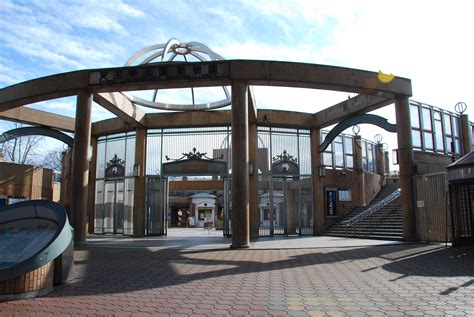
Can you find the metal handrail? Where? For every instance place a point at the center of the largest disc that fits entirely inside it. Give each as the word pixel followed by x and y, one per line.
pixel 369 211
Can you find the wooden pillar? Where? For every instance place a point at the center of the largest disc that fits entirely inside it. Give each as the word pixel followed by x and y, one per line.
pixel 381 163
pixel 317 169
pixel 466 136
pixel 240 168
pixel 359 169
pixel 405 159
pixel 80 165
pixel 139 184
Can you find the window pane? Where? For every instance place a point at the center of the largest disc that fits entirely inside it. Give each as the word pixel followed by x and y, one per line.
pixel 439 136
pixel 426 118
pixel 428 138
pixel 457 146
pixel 416 136
pixel 456 127
pixel 339 154
pixel 370 158
pixel 100 160
pixel 327 159
pixel 447 124
pixel 348 145
pixel 449 145
pixel 349 161
pixel 415 119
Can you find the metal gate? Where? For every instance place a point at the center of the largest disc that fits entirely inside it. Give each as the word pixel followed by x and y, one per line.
pixel 432 212
pixel 157 206
pixel 109 211
pixel 285 206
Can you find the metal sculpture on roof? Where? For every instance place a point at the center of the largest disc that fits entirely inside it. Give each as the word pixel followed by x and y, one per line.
pixel 172 51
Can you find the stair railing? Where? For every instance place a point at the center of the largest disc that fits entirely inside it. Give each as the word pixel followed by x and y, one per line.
pixel 369 211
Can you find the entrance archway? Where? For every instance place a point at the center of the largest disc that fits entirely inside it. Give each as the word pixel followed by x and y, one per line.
pixel 198 210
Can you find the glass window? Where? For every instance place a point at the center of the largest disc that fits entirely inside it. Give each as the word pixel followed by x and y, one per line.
pixel 439 136
pixel 130 155
pixel 338 152
pixel 349 161
pixel 416 136
pixel 370 158
pixel 414 116
pixel 100 169
pixel 426 118
pixel 345 195
pixel 449 144
pixel 447 124
pixel 457 146
pixel 327 159
pixel 456 126
pixel 348 145
pixel 365 164
pixel 428 139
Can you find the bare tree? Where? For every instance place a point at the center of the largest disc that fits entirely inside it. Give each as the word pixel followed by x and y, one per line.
pixel 22 150
pixel 53 160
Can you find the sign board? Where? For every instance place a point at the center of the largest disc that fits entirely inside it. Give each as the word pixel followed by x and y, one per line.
pixel 285 168
pixel 194 167
pixel 331 203
pixel 22 238
pixel 161 72
pixel 115 167
pixel 32 234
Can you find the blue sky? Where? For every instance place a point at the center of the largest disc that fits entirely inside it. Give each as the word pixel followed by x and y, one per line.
pixel 429 42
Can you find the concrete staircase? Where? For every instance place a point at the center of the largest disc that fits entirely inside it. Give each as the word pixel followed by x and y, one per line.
pixel 385 223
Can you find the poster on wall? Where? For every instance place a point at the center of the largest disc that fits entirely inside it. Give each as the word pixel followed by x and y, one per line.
pixel 331 202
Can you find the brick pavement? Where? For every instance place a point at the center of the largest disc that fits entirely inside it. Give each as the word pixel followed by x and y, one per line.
pixel 390 280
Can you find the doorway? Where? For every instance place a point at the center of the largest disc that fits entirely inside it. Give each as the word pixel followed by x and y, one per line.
pixel 185 209
pixel 114 207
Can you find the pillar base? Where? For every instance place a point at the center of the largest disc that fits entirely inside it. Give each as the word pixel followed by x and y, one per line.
pixel 247 246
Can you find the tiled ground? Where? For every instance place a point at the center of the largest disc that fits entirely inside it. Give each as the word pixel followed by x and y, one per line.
pixel 389 280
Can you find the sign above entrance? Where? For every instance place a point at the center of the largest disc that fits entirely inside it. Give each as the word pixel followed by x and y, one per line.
pixel 285 164
pixel 194 163
pixel 160 72
pixel 115 167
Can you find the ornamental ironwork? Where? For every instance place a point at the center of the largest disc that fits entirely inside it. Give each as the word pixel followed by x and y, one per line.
pixel 285 157
pixel 115 167
pixel 195 155
pixel 115 161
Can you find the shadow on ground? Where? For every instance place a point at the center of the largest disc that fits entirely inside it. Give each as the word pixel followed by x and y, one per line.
pixel 114 270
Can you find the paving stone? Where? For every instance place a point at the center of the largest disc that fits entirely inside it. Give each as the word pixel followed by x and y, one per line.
pixel 408 279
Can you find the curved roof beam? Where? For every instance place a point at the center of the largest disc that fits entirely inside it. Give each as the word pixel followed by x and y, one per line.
pixel 266 73
pixel 19 132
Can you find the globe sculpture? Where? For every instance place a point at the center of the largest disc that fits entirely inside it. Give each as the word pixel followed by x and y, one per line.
pixel 176 51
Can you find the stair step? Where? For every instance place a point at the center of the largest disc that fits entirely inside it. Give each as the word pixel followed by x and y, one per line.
pixel 386 223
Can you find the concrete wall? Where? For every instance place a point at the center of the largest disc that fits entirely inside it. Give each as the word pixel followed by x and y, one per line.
pixel 426 162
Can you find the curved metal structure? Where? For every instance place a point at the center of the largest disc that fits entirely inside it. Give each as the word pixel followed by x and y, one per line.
pixel 359 119
pixel 168 53
pixel 25 131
